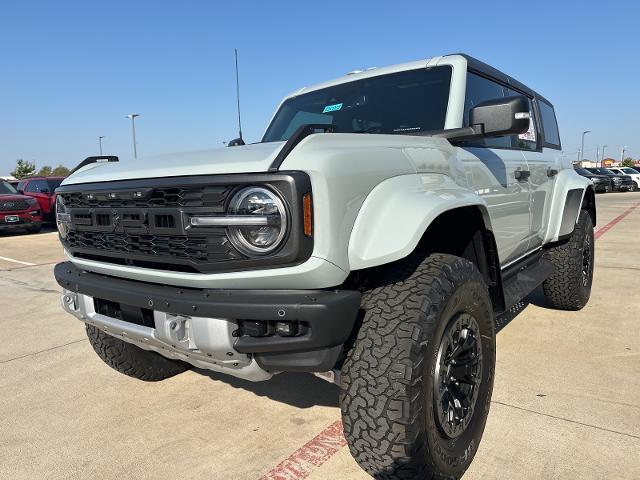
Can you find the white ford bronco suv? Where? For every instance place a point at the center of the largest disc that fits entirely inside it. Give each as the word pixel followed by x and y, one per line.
pixel 373 235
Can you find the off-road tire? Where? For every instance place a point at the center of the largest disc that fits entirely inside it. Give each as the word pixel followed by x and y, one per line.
pixel 387 381
pixel 131 360
pixel 568 288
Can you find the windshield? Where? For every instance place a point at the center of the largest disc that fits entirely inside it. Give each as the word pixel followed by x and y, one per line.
pixel 6 187
pixel 630 170
pixel 397 103
pixel 601 171
pixel 583 171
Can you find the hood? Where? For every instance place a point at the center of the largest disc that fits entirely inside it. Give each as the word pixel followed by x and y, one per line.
pixel 10 197
pixel 254 158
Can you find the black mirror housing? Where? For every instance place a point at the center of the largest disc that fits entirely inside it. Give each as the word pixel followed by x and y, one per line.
pixel 502 116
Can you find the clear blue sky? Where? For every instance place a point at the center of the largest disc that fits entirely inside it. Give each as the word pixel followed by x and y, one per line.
pixel 71 70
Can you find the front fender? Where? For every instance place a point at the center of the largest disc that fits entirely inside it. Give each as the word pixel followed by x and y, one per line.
pixel 568 194
pixel 397 212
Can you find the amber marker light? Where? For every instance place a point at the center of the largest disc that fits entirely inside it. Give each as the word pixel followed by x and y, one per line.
pixel 307 209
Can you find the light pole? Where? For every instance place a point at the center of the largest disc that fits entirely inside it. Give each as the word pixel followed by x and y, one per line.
pixel 133 116
pixel 582 146
pixel 622 150
pixel 602 161
pixel 100 142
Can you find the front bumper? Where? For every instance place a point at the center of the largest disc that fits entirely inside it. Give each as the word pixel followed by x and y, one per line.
pixel 623 186
pixel 25 219
pixel 203 326
pixel 602 186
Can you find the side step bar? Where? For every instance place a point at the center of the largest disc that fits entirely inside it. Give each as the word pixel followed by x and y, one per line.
pixel 519 281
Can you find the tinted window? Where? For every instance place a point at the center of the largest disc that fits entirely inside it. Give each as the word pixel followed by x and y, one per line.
pixel 54 183
pixel 6 187
pixel 549 124
pixel 480 89
pixel 529 139
pixel 583 171
pixel 398 103
pixel 37 186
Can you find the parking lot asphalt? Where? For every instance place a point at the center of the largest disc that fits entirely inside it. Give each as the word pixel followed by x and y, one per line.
pixel 566 402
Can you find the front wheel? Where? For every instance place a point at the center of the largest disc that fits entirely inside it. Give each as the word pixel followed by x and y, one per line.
pixel 416 384
pixel 132 360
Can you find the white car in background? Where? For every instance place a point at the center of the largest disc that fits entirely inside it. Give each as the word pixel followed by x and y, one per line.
pixel 632 172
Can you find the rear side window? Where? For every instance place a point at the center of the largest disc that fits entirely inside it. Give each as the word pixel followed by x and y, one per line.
pixel 549 125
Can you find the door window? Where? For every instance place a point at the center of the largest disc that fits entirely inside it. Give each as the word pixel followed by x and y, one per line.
pixel 481 89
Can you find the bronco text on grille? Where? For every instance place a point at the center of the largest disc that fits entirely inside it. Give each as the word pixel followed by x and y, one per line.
pixel 147 223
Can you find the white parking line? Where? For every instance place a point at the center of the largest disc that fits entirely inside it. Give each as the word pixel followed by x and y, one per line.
pixel 17 261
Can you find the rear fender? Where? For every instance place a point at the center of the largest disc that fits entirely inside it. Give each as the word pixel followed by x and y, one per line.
pixel 398 211
pixel 568 196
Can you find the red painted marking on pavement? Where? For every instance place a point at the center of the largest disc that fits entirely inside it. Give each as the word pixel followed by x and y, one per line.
pixel 314 453
pixel 616 220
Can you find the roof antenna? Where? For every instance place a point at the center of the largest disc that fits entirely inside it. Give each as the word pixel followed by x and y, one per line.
pixel 237 141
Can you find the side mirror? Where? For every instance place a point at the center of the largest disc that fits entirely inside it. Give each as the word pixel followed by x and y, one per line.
pixel 236 142
pixel 493 118
pixel 502 116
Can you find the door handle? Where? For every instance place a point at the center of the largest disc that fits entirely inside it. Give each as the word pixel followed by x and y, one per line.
pixel 522 175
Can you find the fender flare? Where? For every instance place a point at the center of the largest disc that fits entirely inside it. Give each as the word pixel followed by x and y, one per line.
pixel 397 212
pixel 568 196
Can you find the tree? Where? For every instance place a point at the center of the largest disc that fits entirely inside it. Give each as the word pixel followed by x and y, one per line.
pixel 24 168
pixel 628 162
pixel 60 171
pixel 45 171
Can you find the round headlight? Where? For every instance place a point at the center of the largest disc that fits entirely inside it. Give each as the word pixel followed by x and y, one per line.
pixel 63 219
pixel 271 226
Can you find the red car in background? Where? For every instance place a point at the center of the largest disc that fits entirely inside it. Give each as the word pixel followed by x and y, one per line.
pixel 42 189
pixel 18 211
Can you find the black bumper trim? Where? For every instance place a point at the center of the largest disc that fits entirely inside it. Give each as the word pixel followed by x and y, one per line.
pixel 330 314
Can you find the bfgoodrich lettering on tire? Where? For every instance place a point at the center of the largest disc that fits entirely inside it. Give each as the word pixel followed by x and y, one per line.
pixel 416 384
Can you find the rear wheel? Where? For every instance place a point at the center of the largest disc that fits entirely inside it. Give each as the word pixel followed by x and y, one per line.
pixel 416 384
pixel 569 287
pixel 131 360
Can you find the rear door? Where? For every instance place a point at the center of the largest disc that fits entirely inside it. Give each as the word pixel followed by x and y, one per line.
pixel 491 167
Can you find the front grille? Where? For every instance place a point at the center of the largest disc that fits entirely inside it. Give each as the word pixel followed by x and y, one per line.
pixel 146 222
pixel 195 248
pixel 197 196
pixel 13 205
